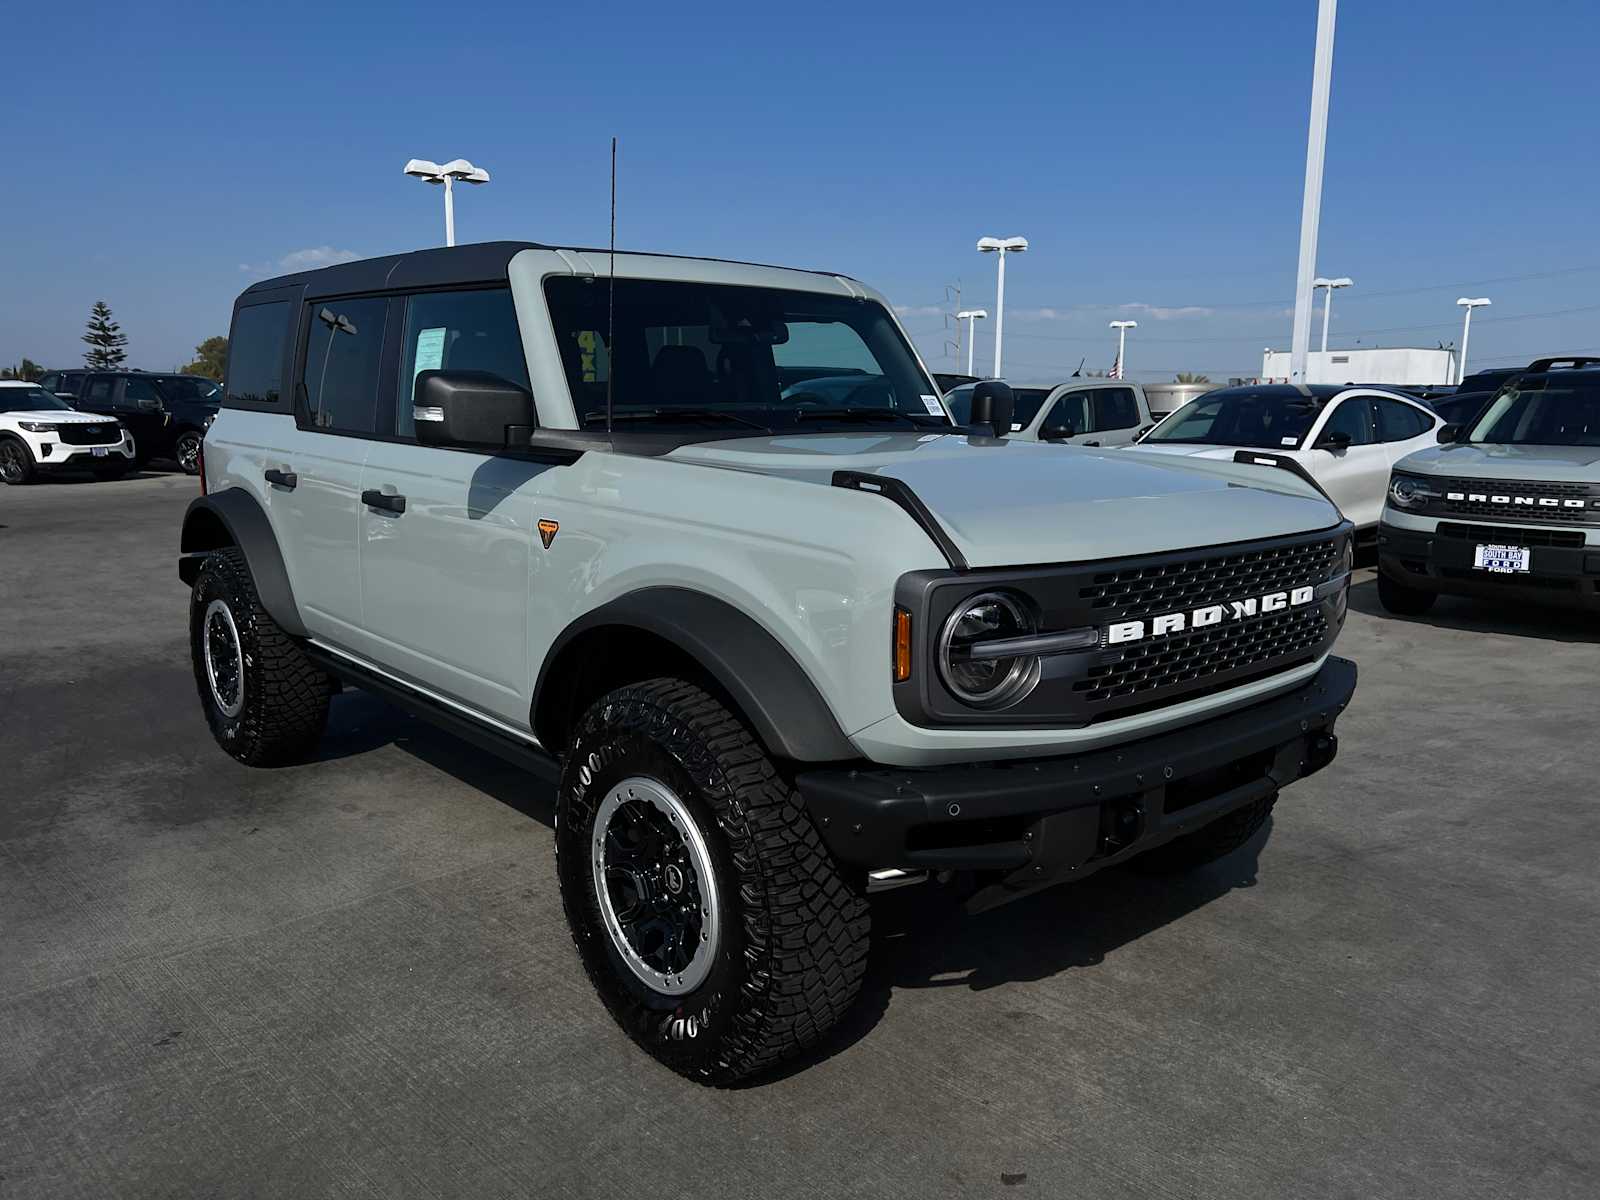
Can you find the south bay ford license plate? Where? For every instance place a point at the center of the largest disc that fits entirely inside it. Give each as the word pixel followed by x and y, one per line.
pixel 1503 560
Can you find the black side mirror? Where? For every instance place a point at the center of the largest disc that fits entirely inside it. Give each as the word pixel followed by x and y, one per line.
pixel 471 408
pixel 1337 440
pixel 1448 433
pixel 992 406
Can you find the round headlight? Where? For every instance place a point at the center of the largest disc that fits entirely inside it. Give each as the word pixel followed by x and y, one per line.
pixel 984 679
pixel 1408 492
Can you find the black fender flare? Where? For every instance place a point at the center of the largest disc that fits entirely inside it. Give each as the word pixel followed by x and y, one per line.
pixel 243 524
pixel 769 689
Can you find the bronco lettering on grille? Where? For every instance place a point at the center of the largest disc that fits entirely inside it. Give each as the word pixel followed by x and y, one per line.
pixel 1123 632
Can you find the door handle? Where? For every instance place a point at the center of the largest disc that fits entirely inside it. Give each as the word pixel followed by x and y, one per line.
pixel 373 498
pixel 283 479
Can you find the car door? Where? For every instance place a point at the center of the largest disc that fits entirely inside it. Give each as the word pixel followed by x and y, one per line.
pixel 1354 473
pixel 1116 415
pixel 313 473
pixel 97 394
pixel 448 535
pixel 1404 428
pixel 139 405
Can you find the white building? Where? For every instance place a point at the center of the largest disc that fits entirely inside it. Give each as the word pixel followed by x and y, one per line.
pixel 1401 366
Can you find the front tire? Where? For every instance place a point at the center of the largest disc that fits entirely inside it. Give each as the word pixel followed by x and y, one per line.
pixel 1401 600
pixel 16 462
pixel 265 701
pixel 708 914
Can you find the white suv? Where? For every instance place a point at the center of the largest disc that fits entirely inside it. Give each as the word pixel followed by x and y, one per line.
pixel 697 541
pixel 40 431
pixel 1346 438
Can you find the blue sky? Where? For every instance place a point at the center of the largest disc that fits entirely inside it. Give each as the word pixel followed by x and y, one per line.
pixel 162 157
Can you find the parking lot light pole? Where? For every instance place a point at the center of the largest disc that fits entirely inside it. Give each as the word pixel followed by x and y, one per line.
pixel 447 174
pixel 1000 247
pixel 971 316
pixel 1327 300
pixel 1466 331
pixel 1122 328
pixel 1311 202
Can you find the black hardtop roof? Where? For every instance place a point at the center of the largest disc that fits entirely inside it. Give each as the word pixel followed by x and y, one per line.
pixel 443 266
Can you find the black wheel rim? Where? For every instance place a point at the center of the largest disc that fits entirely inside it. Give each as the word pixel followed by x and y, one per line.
pixel 12 468
pixel 655 885
pixel 188 451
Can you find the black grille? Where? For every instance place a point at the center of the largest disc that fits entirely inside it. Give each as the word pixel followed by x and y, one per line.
pixel 1559 513
pixel 1501 535
pixel 1186 657
pixel 105 433
pixel 1171 586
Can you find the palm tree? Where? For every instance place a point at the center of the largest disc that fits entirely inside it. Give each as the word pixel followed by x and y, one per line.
pixel 1191 377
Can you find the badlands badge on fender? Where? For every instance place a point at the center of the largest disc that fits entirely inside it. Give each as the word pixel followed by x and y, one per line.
pixel 547 531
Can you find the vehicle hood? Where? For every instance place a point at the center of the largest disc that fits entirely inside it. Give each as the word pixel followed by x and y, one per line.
pixel 1485 460
pixel 1010 503
pixel 1222 453
pixel 58 417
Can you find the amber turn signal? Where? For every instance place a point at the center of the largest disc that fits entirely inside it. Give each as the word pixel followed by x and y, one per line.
pixel 902 645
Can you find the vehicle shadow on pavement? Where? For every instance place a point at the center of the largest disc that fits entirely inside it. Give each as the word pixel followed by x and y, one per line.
pixel 923 938
pixel 71 478
pixel 1471 615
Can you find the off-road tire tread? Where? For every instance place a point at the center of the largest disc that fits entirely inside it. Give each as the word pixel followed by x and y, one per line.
pixel 806 929
pixel 1404 601
pixel 287 695
pixel 1208 843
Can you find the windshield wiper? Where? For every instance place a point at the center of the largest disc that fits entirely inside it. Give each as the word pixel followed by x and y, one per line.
pixel 856 414
pixel 672 414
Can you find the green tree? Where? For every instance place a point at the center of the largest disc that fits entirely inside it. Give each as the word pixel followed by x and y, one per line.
pixel 209 358
pixel 29 371
pixel 1191 377
pixel 108 345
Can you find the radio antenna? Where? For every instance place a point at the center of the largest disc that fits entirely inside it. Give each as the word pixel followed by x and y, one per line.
pixel 611 295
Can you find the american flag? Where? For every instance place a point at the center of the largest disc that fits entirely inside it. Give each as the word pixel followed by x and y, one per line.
pixel 1116 369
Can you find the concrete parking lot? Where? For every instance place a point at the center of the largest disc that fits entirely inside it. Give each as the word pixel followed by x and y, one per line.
pixel 353 977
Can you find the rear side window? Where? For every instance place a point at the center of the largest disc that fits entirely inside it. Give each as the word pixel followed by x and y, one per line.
pixel 1397 422
pixel 1115 408
pixel 255 353
pixel 458 331
pixel 344 350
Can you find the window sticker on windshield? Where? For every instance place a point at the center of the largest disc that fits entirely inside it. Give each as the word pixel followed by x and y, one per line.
pixel 430 351
pixel 931 403
pixel 1287 441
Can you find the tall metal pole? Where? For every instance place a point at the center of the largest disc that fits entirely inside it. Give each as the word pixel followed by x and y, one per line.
pixel 1327 303
pixel 972 332
pixel 1311 204
pixel 449 212
pixel 1466 332
pixel 999 310
pixel 1122 345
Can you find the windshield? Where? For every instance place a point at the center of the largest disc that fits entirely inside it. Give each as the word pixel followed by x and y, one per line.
pixel 30 399
pixel 1027 400
pixel 1259 420
pixel 702 356
pixel 1549 410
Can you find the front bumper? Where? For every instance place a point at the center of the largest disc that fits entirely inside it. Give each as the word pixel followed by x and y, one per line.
pixel 1042 821
pixel 1564 575
pixel 60 454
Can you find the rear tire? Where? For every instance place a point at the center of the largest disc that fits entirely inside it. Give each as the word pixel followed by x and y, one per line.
pixel 1208 843
pixel 16 461
pixel 186 451
pixel 1401 600
pixel 266 702
pixel 718 977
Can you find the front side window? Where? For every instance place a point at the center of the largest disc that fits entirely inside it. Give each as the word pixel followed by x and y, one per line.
pixel 137 391
pixel 1115 408
pixel 30 399
pixel 255 353
pixel 707 356
pixel 1353 418
pixel 458 331
pixel 1069 416
pixel 1257 420
pixel 99 391
pixel 50 382
pixel 1553 410
pixel 344 347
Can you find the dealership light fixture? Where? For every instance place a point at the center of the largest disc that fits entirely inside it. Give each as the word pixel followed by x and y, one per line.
pixel 446 174
pixel 1343 281
pixel 1466 330
pixel 971 316
pixel 1000 247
